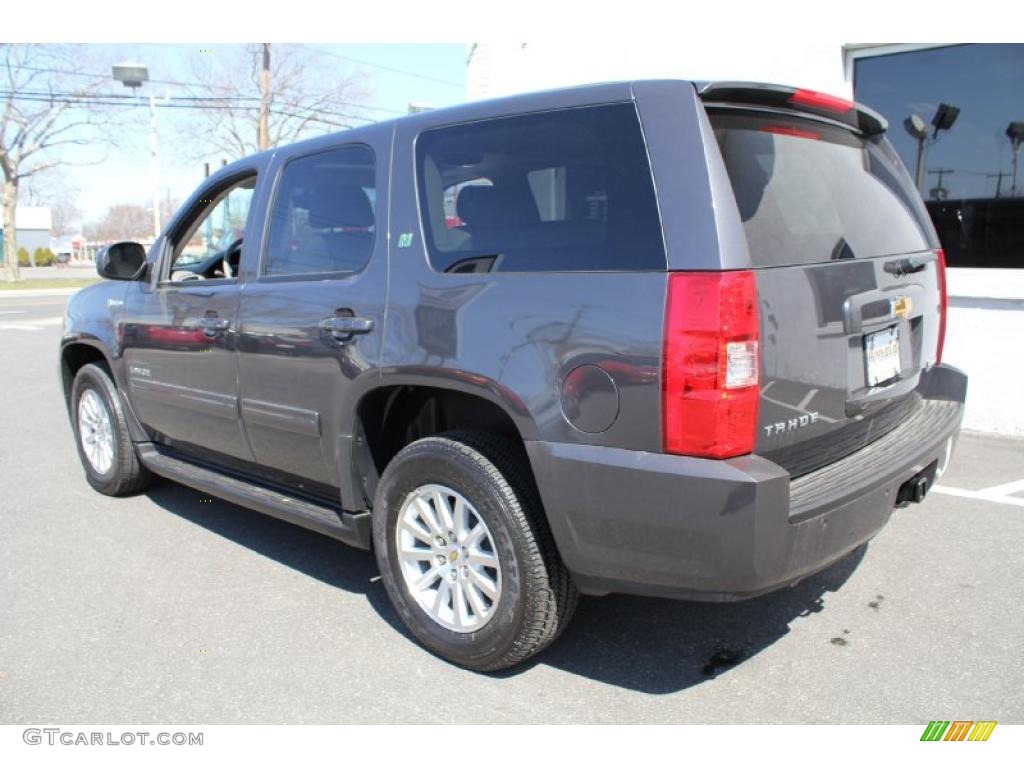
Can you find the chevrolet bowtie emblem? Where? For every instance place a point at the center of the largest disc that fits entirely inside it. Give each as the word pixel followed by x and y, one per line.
pixel 901 306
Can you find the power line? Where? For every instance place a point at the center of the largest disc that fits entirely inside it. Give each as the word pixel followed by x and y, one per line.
pixel 179 102
pixel 127 96
pixel 214 87
pixel 396 70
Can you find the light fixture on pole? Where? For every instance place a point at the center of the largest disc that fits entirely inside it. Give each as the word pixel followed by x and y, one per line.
pixel 918 130
pixel 943 120
pixel 1015 132
pixel 133 76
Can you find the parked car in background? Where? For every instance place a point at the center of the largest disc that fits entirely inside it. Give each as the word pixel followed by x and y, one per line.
pixel 661 338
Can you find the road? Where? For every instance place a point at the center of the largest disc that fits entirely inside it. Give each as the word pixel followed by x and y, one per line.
pixel 170 607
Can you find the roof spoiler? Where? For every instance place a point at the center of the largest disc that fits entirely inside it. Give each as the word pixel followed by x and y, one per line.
pixel 815 103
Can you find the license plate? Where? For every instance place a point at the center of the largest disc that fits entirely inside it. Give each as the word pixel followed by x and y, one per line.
pixel 882 355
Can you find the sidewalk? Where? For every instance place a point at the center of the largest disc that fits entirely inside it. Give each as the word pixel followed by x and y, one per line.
pixel 76 272
pixel 31 292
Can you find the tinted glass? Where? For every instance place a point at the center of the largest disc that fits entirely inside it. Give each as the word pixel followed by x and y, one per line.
pixel 809 192
pixel 566 190
pixel 216 228
pixel 322 219
pixel 970 171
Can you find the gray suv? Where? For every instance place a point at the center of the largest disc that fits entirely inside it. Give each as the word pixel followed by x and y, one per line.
pixel 661 338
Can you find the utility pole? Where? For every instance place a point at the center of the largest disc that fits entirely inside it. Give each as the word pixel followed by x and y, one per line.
pixel 999 180
pixel 264 129
pixel 155 165
pixel 938 192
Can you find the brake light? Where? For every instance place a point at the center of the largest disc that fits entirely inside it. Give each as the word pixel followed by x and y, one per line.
pixel 817 100
pixel 788 130
pixel 711 364
pixel 940 266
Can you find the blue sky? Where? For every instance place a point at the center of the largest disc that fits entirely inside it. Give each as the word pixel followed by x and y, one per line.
pixel 394 75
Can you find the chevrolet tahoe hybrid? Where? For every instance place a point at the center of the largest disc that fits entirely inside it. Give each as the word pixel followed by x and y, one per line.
pixel 661 338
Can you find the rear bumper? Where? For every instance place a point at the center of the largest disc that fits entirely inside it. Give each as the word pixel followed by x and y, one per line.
pixel 674 526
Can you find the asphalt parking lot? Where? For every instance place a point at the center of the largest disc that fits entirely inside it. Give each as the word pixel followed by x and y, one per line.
pixel 170 607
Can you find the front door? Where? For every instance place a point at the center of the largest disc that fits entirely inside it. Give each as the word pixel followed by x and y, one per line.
pixel 311 314
pixel 180 333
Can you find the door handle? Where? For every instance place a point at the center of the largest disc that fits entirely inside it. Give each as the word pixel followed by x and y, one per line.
pixel 343 327
pixel 211 325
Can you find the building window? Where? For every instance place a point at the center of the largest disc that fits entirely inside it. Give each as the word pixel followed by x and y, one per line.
pixel 971 174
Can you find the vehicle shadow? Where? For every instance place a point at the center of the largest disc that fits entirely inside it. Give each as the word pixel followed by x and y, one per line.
pixel 643 644
pixel 664 646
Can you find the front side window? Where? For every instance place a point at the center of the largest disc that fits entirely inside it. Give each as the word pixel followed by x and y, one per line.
pixel 322 219
pixel 210 246
pixel 566 190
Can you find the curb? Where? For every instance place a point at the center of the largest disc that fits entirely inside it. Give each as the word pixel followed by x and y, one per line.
pixel 30 292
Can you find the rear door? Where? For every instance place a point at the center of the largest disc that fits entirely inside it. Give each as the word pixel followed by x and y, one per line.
pixel 847 276
pixel 312 310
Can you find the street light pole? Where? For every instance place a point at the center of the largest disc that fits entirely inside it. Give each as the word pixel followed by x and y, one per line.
pixel 1015 133
pixel 1016 158
pixel 133 76
pixel 919 173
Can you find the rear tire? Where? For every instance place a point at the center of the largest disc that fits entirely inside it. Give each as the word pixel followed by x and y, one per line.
pixel 105 447
pixel 501 593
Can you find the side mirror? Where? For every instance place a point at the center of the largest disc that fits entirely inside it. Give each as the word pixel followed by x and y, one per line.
pixel 122 261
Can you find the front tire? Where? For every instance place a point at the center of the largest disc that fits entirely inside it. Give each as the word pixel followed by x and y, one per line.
pixel 465 553
pixel 101 434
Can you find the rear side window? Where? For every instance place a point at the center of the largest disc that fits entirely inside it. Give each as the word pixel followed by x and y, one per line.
pixel 809 192
pixel 322 219
pixel 567 190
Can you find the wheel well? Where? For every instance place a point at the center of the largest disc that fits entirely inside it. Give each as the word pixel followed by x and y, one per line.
pixel 391 418
pixel 72 358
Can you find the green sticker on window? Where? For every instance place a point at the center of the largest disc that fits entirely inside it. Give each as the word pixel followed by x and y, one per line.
pixel 405 240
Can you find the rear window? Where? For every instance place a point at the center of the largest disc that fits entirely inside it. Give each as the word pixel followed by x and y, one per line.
pixel 566 190
pixel 809 192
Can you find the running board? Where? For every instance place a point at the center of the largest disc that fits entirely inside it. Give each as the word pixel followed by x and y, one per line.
pixel 351 528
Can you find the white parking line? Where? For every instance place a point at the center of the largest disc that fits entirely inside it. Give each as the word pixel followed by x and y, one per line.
pixel 982 495
pixel 807 399
pixel 13 311
pixel 1006 489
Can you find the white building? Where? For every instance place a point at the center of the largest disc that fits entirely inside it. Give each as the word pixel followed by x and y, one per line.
pixel 33 224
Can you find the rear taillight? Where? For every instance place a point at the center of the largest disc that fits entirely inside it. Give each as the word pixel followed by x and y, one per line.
pixel 940 266
pixel 711 364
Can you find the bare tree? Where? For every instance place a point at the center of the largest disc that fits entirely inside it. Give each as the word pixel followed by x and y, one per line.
pixel 168 207
pixel 305 94
pixel 67 218
pixel 56 191
pixel 125 221
pixel 45 110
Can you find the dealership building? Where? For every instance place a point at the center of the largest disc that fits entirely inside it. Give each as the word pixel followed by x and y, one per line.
pixel 956 118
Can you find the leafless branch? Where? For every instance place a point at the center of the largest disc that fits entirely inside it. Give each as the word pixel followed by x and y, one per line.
pixel 304 89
